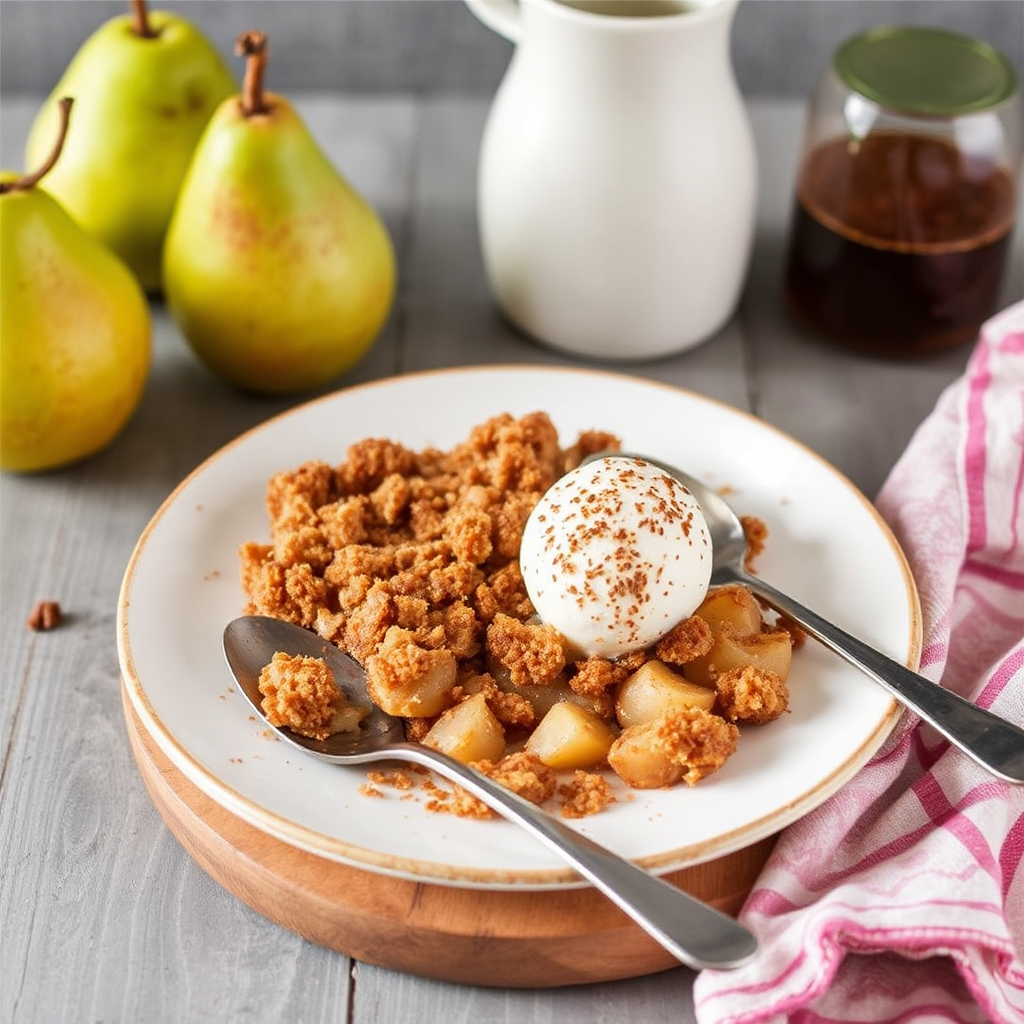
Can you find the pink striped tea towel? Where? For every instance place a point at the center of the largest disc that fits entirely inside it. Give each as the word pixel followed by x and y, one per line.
pixel 901 898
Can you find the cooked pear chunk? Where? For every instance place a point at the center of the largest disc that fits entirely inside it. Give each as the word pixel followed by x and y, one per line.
pixel 468 732
pixel 570 736
pixel 654 690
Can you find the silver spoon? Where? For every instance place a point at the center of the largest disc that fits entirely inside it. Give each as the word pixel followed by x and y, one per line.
pixel 996 744
pixel 696 934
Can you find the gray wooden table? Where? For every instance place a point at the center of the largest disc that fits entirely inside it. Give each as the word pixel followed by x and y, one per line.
pixel 103 916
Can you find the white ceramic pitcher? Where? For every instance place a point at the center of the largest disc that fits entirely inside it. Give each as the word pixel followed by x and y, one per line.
pixel 617 181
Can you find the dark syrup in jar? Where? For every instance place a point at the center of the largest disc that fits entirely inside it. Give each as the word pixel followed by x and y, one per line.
pixel 898 243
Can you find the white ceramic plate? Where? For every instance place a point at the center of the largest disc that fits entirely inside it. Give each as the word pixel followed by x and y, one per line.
pixel 827 547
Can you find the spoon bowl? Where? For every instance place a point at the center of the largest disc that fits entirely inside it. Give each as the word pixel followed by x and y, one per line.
pixel 993 742
pixel 249 644
pixel 695 933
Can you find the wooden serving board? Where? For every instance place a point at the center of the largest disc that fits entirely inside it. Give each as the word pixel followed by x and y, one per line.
pixel 470 936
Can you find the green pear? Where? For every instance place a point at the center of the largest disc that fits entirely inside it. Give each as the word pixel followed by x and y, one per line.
pixel 75 331
pixel 278 273
pixel 144 87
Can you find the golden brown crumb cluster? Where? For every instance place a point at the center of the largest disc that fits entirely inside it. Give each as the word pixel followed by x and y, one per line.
pixel 586 793
pixel 689 639
pixel 690 744
pixel 750 694
pixel 299 693
pixel 408 560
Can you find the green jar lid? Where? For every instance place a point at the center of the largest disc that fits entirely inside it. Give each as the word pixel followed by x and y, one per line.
pixel 929 72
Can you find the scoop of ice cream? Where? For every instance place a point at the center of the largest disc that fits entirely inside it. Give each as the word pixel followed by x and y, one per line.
pixel 615 554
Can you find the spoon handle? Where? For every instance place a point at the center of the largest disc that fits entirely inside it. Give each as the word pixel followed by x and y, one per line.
pixel 696 934
pixel 996 744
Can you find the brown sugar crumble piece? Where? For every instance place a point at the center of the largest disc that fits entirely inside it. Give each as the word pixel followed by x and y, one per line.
pixel 587 793
pixel 409 562
pixel 691 638
pixel 525 774
pixel 462 804
pixel 595 676
pixel 521 772
pixel 532 653
pixel 398 778
pixel 45 615
pixel 408 679
pixel 300 693
pixel 752 695
pixel 510 708
pixel 590 442
pixel 457 801
pixel 756 532
pixel 681 746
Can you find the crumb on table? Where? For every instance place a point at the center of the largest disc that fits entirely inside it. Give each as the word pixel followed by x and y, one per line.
pixel 409 562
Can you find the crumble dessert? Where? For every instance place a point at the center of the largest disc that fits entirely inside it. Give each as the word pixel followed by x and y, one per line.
pixel 410 562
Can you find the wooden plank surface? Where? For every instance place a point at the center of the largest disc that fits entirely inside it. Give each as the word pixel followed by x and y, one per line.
pixel 105 916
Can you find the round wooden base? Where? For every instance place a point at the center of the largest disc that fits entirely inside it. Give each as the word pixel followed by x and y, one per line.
pixel 470 936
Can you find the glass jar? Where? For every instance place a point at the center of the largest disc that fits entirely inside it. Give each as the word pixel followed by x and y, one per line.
pixel 906 192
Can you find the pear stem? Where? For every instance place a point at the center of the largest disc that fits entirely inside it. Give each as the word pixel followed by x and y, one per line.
pixel 140 20
pixel 253 46
pixel 27 181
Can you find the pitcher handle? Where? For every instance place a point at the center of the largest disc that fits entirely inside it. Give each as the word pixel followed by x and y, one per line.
pixel 502 16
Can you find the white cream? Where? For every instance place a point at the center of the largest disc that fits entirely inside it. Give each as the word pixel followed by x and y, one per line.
pixel 615 554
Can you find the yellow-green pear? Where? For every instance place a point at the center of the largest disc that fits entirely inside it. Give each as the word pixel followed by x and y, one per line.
pixel 74 330
pixel 279 274
pixel 144 87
